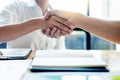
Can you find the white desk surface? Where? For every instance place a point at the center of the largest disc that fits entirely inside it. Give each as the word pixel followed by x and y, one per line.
pixel 112 58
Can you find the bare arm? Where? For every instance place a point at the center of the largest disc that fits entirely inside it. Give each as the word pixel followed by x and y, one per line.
pixel 109 30
pixel 11 32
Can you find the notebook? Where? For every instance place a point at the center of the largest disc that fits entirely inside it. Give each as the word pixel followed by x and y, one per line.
pixel 14 54
pixel 67 60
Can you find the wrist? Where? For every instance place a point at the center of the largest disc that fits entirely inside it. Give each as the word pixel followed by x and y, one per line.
pixel 79 20
pixel 39 23
pixel 34 23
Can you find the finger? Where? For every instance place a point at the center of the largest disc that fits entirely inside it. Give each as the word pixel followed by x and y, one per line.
pixel 61 26
pixel 43 31
pixel 61 34
pixel 57 34
pixel 53 32
pixel 46 16
pixel 66 33
pixel 64 22
pixel 47 32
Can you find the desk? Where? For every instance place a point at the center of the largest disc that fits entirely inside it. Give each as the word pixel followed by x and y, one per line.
pixel 31 55
pixel 112 58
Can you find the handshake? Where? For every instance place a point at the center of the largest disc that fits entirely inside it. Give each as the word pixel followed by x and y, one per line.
pixel 59 23
pixel 55 25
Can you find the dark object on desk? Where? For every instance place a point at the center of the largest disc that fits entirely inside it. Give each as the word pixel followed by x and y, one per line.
pixel 86 69
pixel 14 54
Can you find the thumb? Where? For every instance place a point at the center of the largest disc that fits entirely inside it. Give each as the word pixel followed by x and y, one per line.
pixel 47 15
pixel 60 13
pixel 50 13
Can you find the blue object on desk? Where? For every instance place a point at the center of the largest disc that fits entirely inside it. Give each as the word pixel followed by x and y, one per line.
pixel 82 69
pixel 3 45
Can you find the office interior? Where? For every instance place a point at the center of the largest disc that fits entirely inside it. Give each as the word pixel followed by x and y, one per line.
pixel 103 9
pixel 80 39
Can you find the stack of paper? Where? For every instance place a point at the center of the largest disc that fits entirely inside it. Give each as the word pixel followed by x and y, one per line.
pixel 67 60
pixel 14 54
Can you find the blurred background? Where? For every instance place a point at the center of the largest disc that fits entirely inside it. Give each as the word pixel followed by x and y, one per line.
pixel 79 39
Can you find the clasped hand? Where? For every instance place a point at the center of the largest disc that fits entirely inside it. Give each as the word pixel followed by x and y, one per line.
pixel 57 27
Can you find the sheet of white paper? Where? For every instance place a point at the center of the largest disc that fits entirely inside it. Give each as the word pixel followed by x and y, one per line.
pixel 13 69
pixel 66 58
pixel 63 53
pixel 67 62
pixel 14 52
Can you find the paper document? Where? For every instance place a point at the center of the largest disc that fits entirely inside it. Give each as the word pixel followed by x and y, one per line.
pixel 14 54
pixel 63 53
pixel 67 62
pixel 62 59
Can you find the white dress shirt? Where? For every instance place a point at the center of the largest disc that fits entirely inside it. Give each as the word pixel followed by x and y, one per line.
pixel 21 10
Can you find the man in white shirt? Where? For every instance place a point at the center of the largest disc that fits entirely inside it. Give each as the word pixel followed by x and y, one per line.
pixel 21 10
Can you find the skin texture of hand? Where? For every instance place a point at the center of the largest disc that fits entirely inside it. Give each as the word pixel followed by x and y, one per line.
pixel 51 23
pixel 54 32
pixel 69 16
pixel 61 27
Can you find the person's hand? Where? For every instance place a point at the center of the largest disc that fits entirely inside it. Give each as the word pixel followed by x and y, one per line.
pixel 61 27
pixel 40 23
pixel 69 16
pixel 43 24
pixel 54 32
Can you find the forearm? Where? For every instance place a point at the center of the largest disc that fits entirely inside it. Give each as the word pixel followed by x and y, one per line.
pixel 11 32
pixel 106 29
